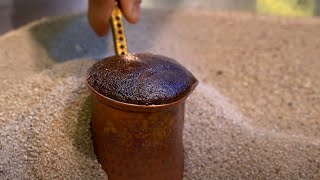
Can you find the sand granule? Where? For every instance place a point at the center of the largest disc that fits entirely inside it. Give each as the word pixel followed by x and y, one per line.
pixel 254 61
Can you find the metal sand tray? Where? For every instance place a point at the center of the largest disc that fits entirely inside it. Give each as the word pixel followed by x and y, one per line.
pixel 138 137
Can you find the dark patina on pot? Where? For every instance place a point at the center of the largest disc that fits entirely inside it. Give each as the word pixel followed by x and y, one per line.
pixel 137 122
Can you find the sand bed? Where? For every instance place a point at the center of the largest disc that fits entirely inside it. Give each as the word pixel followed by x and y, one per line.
pixel 254 115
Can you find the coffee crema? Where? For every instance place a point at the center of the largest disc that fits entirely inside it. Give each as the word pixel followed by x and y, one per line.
pixel 143 79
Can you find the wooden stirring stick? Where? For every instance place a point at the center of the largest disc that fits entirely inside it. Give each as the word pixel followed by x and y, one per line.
pixel 119 37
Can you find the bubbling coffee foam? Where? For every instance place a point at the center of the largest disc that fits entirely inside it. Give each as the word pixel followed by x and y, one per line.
pixel 143 79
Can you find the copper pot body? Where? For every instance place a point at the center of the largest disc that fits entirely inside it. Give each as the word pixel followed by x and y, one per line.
pixel 138 142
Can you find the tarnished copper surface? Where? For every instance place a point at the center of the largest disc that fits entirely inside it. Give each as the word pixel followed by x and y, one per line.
pixel 138 142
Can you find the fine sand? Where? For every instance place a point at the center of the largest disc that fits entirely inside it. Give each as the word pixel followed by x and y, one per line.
pixel 254 115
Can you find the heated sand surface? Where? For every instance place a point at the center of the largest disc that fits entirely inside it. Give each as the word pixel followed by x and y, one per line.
pixel 254 115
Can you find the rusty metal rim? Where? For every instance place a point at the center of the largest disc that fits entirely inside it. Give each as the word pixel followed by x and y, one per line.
pixel 136 107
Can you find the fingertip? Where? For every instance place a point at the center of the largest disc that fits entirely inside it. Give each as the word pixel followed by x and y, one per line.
pixel 99 28
pixel 131 10
pixel 99 12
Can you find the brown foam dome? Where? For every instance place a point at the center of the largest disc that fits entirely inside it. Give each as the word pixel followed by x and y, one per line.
pixel 143 79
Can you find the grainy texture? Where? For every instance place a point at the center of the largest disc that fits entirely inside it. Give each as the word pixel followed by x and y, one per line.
pixel 267 67
pixel 144 79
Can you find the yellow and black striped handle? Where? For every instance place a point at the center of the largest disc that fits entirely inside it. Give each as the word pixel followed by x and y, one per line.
pixel 117 26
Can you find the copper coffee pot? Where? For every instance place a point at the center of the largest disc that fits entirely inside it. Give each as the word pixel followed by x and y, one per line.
pixel 137 142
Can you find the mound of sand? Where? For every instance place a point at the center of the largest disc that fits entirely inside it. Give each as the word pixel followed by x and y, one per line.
pixel 254 115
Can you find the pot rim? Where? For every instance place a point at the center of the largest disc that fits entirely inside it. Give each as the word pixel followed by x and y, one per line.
pixel 136 107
